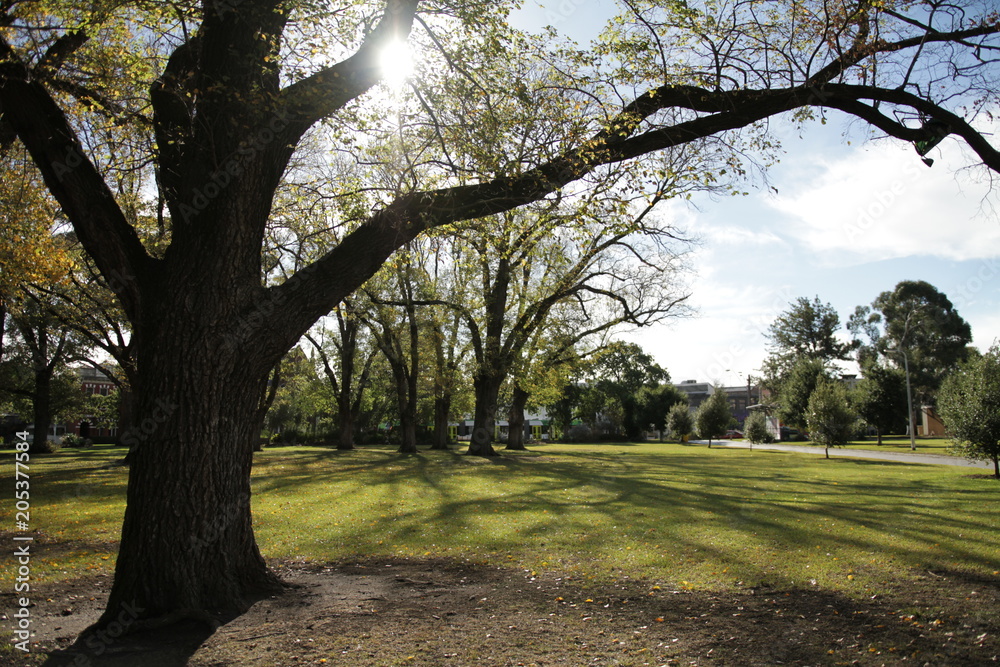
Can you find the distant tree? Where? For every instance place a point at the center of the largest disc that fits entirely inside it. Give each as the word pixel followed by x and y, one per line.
pixel 294 406
pixel 829 417
pixel 347 357
pixel 794 392
pixel 913 326
pixel 807 329
pixel 968 405
pixel 802 347
pixel 615 377
pixel 679 421
pixel 36 366
pixel 880 398
pixel 653 404
pixel 755 428
pixel 713 417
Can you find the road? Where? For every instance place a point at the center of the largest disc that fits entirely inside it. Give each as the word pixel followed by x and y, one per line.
pixel 903 457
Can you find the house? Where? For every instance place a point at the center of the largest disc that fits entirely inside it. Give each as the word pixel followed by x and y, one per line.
pixel 92 382
pixel 930 423
pixel 739 397
pixel 697 392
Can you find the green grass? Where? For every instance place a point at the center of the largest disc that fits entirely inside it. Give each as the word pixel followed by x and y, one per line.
pixel 679 516
pixel 901 443
pixel 894 443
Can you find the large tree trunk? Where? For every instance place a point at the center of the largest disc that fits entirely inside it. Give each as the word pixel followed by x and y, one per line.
pixel 442 411
pixel 515 429
pixel 42 407
pixel 407 415
pixel 187 545
pixel 345 417
pixel 487 390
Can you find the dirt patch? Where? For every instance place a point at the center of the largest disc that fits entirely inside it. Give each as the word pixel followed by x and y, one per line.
pixel 436 612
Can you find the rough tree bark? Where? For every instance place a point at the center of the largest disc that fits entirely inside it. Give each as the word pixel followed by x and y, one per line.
pixel 486 385
pixel 515 437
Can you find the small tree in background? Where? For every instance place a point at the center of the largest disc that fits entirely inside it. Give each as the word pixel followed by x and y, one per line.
pixel 968 403
pixel 679 421
pixel 755 429
pixel 653 405
pixel 713 416
pixel 880 398
pixel 802 379
pixel 829 417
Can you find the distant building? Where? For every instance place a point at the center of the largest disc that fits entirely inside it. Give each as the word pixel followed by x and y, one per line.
pixel 739 397
pixel 92 382
pixel 930 423
pixel 697 392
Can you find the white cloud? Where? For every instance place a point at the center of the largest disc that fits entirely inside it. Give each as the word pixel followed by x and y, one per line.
pixel 882 203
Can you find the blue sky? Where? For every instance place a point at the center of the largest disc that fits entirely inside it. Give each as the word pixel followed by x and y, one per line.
pixel 850 219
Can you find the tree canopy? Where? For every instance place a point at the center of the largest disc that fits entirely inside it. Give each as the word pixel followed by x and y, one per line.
pixel 968 405
pixel 917 326
pixel 807 329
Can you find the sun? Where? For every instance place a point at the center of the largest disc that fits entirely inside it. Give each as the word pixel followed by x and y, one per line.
pixel 396 63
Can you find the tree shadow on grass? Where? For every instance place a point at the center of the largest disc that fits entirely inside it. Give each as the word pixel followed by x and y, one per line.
pixel 170 646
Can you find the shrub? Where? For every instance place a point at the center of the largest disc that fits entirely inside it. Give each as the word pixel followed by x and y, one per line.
pixel 679 421
pixel 73 440
pixel 968 405
pixel 755 429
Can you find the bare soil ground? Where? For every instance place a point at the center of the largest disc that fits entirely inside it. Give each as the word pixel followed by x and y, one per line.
pixel 436 612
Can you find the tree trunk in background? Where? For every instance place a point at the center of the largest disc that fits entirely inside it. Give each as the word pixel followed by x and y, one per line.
pixel 42 407
pixel 406 401
pixel 345 417
pixel 442 411
pixel 487 390
pixel 515 429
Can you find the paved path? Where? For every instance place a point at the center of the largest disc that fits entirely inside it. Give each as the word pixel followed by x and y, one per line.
pixel 904 457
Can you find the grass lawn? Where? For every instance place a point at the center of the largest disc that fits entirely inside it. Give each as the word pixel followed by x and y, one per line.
pixel 901 443
pixel 680 516
pixel 894 443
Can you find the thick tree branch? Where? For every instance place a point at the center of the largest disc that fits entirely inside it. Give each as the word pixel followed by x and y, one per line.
pixel 73 179
pixel 320 95
pixel 845 97
pixel 346 267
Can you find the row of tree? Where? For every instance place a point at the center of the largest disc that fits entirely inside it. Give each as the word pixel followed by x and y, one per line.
pixel 913 349
pixel 906 342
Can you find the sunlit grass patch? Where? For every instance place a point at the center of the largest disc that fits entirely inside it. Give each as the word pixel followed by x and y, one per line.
pixel 678 516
